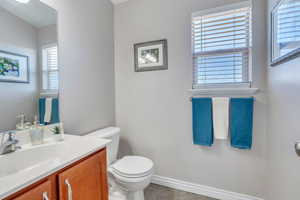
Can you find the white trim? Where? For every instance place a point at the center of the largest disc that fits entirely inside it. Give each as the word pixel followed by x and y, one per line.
pixel 201 189
pixel 49 93
pixel 223 8
pixel 225 91
pixel 244 85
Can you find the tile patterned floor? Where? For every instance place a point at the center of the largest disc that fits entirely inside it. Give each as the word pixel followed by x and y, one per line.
pixel 156 192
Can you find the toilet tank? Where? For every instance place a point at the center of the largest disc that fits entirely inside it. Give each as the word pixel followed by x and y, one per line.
pixel 110 133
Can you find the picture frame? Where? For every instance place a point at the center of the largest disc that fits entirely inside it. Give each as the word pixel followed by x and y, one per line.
pixel 14 67
pixel 151 56
pixel 285 38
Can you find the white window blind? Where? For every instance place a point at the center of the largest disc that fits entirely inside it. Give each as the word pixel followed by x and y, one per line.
pixel 221 40
pixel 50 68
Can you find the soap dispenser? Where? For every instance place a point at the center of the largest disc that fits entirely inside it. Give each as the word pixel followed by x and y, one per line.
pixel 22 125
pixel 36 133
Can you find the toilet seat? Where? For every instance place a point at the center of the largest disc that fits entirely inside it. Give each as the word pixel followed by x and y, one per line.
pixel 133 167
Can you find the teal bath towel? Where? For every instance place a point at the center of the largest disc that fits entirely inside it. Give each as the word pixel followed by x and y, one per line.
pixel 54 112
pixel 241 122
pixel 202 121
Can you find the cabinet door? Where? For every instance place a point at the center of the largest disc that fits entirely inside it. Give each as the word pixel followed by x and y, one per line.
pixel 84 181
pixel 40 192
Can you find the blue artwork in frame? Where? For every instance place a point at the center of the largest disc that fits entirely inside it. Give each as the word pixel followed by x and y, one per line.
pixel 14 67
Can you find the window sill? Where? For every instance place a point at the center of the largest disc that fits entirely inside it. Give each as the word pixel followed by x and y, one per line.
pixel 225 91
pixel 53 94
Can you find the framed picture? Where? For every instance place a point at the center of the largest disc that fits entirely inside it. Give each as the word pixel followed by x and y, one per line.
pixel 150 56
pixel 285 31
pixel 14 67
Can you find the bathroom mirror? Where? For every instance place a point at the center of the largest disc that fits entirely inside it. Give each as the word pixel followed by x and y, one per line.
pixel 28 64
pixel 285 31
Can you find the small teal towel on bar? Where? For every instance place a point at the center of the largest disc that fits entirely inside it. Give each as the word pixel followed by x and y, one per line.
pixel 241 122
pixel 54 112
pixel 202 121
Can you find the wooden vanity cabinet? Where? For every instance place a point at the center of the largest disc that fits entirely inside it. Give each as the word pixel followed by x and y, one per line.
pixel 83 180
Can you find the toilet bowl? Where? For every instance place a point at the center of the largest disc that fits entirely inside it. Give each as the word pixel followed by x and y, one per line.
pixel 133 174
pixel 128 176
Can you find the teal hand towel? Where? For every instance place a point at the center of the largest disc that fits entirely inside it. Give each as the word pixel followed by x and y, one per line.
pixel 241 122
pixel 202 121
pixel 54 112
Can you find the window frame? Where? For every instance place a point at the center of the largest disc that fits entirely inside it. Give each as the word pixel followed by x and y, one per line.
pixel 43 71
pixel 223 52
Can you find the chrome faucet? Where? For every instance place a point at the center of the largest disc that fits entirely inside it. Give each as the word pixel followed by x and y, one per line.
pixel 10 145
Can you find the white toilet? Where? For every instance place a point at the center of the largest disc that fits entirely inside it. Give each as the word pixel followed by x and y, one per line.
pixel 128 176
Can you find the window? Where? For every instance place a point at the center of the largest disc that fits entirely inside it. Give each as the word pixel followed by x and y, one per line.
pixel 50 68
pixel 221 40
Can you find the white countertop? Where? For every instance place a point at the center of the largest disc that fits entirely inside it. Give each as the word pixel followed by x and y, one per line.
pixel 31 164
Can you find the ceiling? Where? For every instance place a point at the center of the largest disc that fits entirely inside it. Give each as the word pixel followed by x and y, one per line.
pixel 35 13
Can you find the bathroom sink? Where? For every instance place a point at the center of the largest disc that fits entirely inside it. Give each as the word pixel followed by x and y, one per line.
pixel 32 163
pixel 28 158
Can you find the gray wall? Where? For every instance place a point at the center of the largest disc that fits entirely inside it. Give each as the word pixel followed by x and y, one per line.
pixel 47 35
pixel 85 34
pixel 17 36
pixel 153 108
pixel 284 129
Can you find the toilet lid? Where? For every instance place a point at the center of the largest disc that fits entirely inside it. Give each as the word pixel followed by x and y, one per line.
pixel 133 166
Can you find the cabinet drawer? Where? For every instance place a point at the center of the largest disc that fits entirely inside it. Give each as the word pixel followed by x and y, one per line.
pixel 40 192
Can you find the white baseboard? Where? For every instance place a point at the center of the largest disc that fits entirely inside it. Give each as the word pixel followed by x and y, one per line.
pixel 201 189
